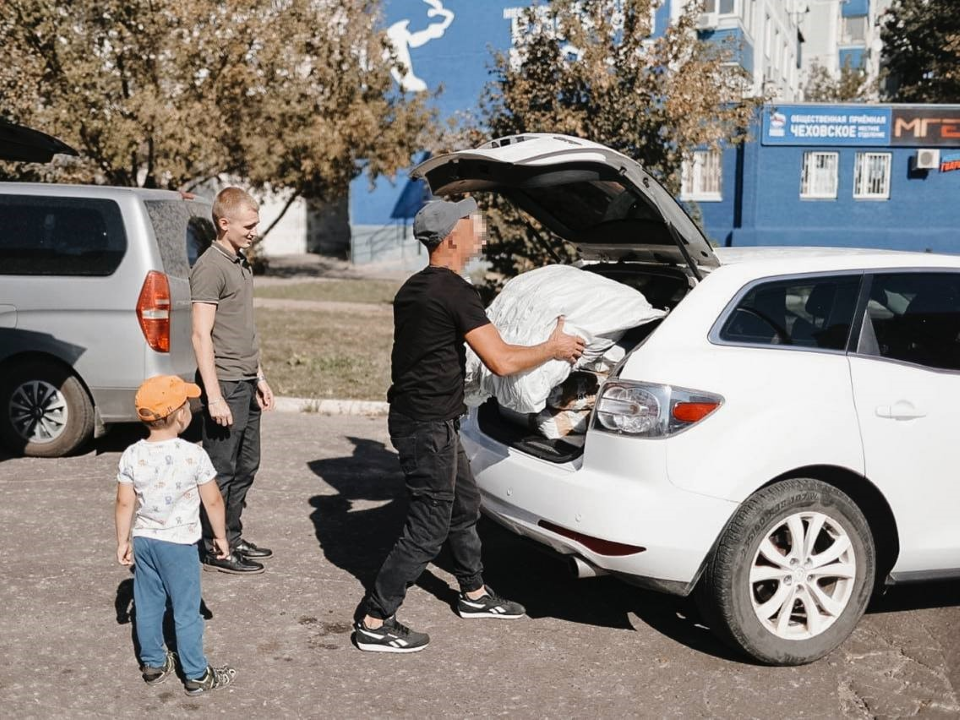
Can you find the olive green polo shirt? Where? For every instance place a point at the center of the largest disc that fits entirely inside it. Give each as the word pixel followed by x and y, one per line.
pixel 226 281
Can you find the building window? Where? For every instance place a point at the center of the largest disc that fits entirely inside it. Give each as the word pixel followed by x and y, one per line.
pixel 701 176
pixel 724 7
pixel 767 37
pixel 819 178
pixel 871 180
pixel 853 30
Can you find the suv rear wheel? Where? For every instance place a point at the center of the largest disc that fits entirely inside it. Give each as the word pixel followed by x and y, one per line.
pixel 792 574
pixel 44 410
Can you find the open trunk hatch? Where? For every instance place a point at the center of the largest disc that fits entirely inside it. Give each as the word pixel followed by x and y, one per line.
pixel 599 200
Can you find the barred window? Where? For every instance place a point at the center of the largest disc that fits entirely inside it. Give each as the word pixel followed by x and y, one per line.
pixel 819 177
pixel 701 176
pixel 871 179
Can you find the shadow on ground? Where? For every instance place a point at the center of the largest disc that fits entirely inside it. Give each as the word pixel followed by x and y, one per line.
pixel 357 526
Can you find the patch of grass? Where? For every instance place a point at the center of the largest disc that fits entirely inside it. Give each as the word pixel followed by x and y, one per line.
pixel 320 354
pixel 362 291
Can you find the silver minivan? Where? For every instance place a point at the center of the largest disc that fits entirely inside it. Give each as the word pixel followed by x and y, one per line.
pixel 94 298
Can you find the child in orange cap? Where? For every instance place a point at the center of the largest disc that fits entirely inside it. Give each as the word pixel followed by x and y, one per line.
pixel 165 479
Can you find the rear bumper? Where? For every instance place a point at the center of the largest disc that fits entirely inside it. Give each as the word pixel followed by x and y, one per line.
pixel 618 492
pixel 116 405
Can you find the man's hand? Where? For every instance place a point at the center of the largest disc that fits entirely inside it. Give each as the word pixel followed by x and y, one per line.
pixel 222 547
pixel 563 346
pixel 265 396
pixel 125 553
pixel 220 412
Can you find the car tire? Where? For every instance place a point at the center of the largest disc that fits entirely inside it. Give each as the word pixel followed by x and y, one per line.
pixel 787 603
pixel 65 415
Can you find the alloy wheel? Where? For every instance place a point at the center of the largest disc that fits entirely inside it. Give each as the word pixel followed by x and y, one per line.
pixel 38 411
pixel 802 576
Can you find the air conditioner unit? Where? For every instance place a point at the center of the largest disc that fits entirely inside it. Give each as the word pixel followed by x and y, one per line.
pixel 708 21
pixel 927 160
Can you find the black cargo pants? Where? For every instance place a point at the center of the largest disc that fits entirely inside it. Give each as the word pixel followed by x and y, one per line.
pixel 235 454
pixel 444 505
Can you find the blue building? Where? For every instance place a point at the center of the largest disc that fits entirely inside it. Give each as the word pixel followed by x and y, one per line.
pixel 855 175
pixel 883 176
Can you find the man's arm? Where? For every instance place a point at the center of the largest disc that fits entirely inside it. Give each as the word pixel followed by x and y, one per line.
pixel 213 503
pixel 123 513
pixel 264 393
pixel 502 358
pixel 204 315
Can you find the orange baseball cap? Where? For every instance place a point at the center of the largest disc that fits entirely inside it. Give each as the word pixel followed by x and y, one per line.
pixel 161 395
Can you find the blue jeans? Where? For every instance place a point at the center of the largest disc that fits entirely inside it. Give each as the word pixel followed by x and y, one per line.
pixel 168 570
pixel 444 506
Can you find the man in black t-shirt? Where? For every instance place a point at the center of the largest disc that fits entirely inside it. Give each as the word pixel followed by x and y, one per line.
pixel 435 311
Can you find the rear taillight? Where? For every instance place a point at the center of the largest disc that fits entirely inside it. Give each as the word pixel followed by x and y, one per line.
pixel 650 410
pixel 153 311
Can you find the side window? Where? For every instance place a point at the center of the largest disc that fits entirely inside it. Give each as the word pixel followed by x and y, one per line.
pixel 915 318
pixel 60 236
pixel 808 312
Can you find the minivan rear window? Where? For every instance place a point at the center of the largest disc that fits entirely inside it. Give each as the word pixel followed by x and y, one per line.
pixel 182 236
pixel 60 236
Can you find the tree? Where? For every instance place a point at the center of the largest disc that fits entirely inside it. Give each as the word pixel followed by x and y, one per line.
pixel 853 85
pixel 288 95
pixel 590 68
pixel 921 51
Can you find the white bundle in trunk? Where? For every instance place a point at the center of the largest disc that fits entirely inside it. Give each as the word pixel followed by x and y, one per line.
pixel 525 312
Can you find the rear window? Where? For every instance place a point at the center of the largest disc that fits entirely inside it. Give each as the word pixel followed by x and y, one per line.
pixel 60 236
pixel 808 312
pixel 182 235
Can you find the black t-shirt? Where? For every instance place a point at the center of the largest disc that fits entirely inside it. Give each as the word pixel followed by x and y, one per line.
pixel 431 314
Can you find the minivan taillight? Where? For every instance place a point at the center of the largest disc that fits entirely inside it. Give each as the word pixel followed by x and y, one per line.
pixel 153 311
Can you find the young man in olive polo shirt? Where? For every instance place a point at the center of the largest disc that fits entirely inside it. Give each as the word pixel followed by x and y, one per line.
pixel 434 312
pixel 228 360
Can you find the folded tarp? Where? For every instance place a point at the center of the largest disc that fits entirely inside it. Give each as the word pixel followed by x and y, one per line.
pixel 525 312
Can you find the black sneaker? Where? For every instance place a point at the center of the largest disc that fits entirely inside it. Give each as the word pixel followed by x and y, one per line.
pixel 392 637
pixel 156 675
pixel 234 563
pixel 489 606
pixel 213 679
pixel 251 551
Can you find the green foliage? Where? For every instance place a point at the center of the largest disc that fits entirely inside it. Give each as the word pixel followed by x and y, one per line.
pixel 651 98
pixel 921 51
pixel 853 85
pixel 290 95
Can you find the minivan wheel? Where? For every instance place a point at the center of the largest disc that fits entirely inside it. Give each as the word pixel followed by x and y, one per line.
pixel 792 573
pixel 44 410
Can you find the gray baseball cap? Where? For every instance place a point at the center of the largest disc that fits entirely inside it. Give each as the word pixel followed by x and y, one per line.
pixel 437 218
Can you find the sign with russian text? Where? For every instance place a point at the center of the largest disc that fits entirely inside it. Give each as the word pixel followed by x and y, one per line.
pixel 950 162
pixel 860 125
pixel 931 126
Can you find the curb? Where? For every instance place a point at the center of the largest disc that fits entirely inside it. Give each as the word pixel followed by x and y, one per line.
pixel 331 407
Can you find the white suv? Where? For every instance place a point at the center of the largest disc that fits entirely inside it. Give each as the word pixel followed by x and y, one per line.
pixel 781 443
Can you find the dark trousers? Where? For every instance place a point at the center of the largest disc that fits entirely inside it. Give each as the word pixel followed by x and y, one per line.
pixel 444 505
pixel 235 454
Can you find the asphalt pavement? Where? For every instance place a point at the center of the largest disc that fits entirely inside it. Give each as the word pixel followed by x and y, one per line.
pixel 329 501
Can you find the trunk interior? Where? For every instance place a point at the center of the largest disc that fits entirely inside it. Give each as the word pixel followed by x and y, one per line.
pixel 663 286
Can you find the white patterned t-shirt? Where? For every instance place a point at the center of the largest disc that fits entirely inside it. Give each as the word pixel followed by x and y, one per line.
pixel 165 476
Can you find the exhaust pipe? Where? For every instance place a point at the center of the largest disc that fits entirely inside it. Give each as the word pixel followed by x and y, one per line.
pixel 581 569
